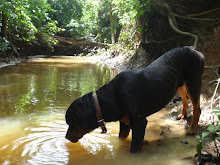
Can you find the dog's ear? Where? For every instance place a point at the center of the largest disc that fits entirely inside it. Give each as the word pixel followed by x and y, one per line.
pixel 87 114
pixel 72 114
pixel 84 120
pixel 81 112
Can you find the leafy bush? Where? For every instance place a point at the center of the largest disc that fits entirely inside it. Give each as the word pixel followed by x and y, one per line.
pixel 4 46
pixel 212 133
pixel 26 21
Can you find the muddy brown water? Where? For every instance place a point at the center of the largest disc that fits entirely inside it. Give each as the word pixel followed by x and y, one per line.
pixel 34 96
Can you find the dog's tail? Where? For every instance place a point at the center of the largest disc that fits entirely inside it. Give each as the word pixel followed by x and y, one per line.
pixel 198 53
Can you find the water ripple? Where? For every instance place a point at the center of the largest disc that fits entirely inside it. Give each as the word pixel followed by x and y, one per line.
pixel 43 144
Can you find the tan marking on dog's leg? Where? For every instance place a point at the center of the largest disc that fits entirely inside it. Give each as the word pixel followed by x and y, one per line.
pixel 196 114
pixel 124 127
pixel 182 92
pixel 195 118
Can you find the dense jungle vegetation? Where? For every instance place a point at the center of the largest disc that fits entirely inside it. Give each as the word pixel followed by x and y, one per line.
pixel 155 25
pixel 29 23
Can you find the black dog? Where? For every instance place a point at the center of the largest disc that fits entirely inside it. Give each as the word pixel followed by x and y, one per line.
pixel 133 95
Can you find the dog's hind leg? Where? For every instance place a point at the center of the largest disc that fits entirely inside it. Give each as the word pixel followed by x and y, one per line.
pixel 193 80
pixel 182 92
pixel 193 89
pixel 196 114
pixel 124 130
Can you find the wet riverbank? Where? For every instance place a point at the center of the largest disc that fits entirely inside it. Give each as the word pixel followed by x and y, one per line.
pixel 15 60
pixel 9 61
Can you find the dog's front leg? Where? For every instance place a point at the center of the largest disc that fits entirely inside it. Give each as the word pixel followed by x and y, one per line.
pixel 138 126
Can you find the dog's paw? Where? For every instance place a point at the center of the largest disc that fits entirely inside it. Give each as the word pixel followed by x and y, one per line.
pixel 191 132
pixel 181 116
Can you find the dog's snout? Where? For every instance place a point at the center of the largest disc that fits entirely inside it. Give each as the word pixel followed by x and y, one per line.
pixel 71 138
pixel 67 136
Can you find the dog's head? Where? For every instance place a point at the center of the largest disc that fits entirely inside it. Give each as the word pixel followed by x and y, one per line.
pixel 81 118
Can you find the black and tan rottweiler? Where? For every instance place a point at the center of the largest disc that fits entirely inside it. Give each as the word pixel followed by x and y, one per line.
pixel 133 95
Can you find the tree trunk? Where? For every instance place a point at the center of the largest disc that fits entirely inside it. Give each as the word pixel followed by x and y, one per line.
pixel 112 22
pixel 4 25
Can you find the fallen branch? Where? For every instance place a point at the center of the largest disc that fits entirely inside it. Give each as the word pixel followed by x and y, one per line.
pixel 70 41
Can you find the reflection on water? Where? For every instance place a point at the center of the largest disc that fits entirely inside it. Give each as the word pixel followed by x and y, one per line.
pixel 35 142
pixel 39 144
pixel 37 85
pixel 34 96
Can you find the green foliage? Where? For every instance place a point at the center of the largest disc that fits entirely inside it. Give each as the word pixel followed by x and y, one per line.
pixel 103 20
pixel 28 20
pixel 4 46
pixel 19 23
pixel 37 21
pixel 130 13
pixel 95 24
pixel 46 32
pixel 217 112
pixel 86 25
pixel 212 133
pixel 64 11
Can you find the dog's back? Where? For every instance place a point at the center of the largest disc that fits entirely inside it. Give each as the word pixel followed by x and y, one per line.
pixel 180 58
pixel 155 85
pixel 182 64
